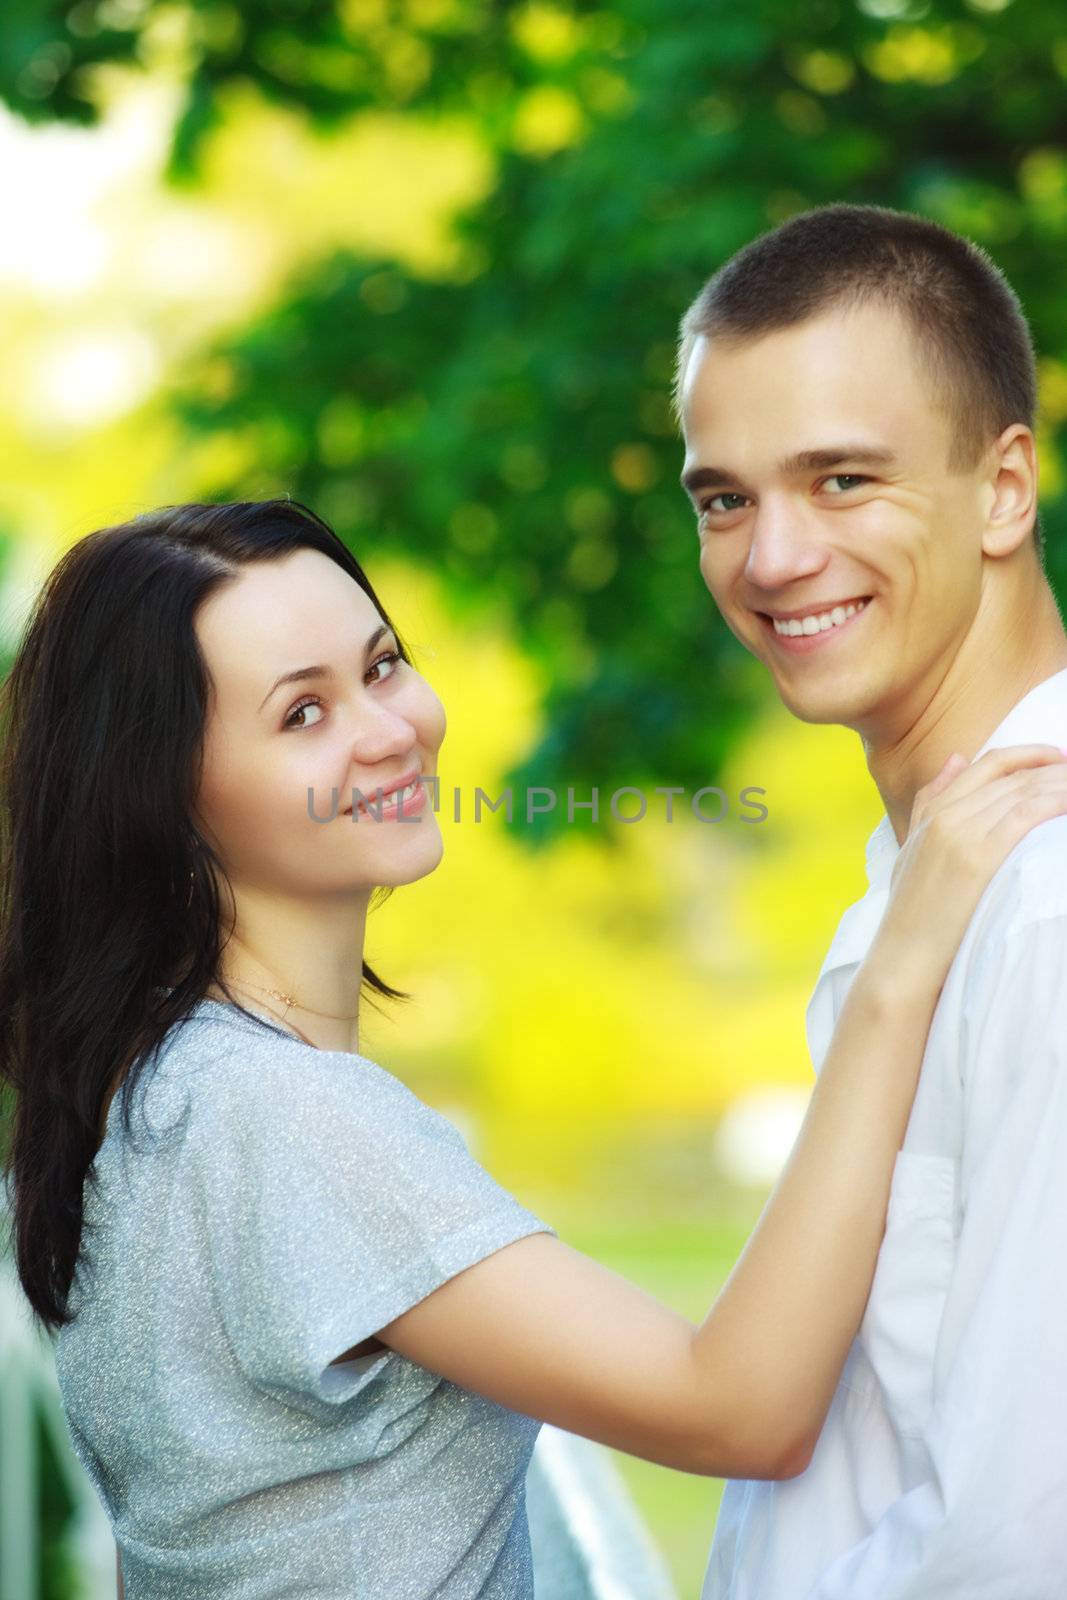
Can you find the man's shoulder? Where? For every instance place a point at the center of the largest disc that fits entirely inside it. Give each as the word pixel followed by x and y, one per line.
pixel 1031 882
pixel 1028 889
pixel 1004 1003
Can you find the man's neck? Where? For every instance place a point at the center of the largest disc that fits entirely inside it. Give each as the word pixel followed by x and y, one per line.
pixel 981 686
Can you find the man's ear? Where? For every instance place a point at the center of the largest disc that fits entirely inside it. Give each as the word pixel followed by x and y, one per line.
pixel 1010 491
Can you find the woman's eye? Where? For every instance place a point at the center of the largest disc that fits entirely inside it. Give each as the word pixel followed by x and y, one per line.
pixel 314 703
pixel 393 657
pixel 849 479
pixel 305 705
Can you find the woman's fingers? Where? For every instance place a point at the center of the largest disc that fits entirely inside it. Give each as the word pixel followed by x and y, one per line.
pixel 957 813
pixel 973 831
pixel 937 785
pixel 1014 805
pixel 955 782
pixel 967 828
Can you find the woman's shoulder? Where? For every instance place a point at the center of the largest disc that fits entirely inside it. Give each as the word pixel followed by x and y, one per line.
pixel 240 1068
pixel 329 1132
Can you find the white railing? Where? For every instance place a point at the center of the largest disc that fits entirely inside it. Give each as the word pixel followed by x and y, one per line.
pixel 589 1539
pixel 29 1390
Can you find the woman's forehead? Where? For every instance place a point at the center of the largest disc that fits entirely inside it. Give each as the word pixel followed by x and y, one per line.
pixel 302 605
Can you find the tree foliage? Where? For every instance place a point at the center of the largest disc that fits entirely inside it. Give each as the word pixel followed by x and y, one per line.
pixel 509 421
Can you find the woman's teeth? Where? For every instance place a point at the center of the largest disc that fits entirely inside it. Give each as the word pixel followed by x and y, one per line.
pixel 397 798
pixel 819 624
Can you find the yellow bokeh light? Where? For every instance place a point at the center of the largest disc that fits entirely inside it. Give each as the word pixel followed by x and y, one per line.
pixel 634 467
pixel 824 71
pixel 547 119
pixel 545 32
pixel 923 55
pixel 1052 388
pixel 1043 175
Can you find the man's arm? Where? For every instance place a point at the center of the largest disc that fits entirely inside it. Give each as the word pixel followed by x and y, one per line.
pixel 118 1574
pixel 989 1522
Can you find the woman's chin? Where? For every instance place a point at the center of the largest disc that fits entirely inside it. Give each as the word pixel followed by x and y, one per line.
pixel 415 865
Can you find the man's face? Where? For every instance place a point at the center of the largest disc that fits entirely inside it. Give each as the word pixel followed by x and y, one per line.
pixel 816 458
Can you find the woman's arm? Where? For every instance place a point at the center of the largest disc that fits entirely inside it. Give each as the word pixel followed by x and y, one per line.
pixel 547 1331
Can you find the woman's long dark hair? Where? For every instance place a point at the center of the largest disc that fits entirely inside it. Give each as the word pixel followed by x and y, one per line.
pixel 106 941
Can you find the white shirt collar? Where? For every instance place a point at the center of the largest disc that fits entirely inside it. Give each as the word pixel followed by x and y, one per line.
pixel 1040 717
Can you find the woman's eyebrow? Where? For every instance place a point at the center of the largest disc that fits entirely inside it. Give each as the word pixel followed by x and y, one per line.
pixel 299 674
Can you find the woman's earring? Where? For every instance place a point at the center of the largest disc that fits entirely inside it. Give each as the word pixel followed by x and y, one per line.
pixel 192 876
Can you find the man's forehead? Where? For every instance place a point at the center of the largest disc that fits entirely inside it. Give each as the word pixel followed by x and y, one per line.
pixel 841 330
pixel 820 390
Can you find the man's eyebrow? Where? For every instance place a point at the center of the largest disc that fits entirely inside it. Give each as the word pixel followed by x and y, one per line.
pixel 868 455
pixel 299 674
pixel 834 455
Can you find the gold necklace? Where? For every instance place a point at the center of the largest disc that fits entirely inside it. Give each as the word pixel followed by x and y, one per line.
pixel 289 1001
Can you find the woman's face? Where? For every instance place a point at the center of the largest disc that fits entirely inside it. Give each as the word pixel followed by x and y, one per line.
pixel 363 719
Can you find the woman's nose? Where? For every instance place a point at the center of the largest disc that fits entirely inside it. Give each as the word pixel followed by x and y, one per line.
pixel 381 734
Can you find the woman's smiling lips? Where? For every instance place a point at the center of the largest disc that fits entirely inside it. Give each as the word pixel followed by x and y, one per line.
pixel 804 643
pixel 413 802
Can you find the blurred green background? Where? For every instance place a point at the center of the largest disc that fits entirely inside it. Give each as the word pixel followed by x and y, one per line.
pixel 421 264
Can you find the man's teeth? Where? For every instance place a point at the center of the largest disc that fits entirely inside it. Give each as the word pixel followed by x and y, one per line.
pixel 821 624
pixel 397 798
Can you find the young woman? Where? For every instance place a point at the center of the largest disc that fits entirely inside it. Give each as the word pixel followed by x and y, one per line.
pixel 305 1340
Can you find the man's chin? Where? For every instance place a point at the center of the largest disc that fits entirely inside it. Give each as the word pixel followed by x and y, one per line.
pixel 836 707
pixel 829 703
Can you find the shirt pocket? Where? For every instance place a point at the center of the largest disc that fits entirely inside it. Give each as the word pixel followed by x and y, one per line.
pixel 899 1332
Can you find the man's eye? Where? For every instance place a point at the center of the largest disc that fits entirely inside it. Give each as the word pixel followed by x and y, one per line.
pixel 849 479
pixel 709 505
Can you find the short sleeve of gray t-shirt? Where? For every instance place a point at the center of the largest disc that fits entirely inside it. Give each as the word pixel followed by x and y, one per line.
pixel 270 1206
pixel 337 1200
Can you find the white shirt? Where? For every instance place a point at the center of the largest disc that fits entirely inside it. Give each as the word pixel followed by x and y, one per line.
pixel 941 1470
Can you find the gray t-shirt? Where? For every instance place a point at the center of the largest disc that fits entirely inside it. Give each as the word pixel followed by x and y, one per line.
pixel 288 1203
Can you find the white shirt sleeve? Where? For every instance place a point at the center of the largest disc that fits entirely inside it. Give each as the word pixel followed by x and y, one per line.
pixel 990 1522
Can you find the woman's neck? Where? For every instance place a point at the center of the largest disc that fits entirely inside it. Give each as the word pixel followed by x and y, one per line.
pixel 300 962
pixel 323 1032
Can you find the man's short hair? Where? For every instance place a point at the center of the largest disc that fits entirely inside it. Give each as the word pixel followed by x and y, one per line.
pixel 970 330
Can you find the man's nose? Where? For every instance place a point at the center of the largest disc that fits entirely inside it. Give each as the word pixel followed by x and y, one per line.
pixel 782 546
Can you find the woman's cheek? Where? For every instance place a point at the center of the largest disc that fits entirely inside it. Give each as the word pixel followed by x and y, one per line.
pixel 433 721
pixel 323 785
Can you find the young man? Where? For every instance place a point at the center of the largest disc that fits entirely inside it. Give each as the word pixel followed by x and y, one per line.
pixel 857 396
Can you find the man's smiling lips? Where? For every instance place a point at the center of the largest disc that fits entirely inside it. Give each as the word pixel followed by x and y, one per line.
pixel 804 643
